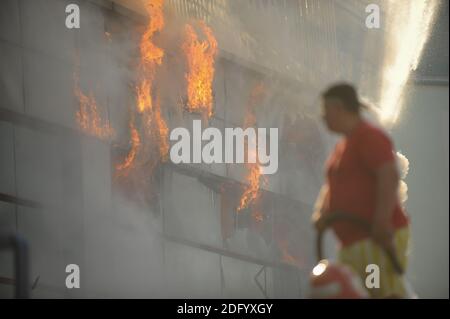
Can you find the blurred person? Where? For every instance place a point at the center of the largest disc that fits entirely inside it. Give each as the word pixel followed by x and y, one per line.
pixel 362 179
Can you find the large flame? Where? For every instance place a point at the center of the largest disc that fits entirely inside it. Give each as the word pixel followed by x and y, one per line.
pixel 151 145
pixel 251 192
pixel 152 55
pixel 254 178
pixel 408 30
pixel 200 57
pixel 87 115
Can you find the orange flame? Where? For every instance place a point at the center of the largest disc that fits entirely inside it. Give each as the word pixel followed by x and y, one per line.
pixel 88 118
pixel 154 129
pixel 157 131
pixel 144 96
pixel 135 142
pixel 254 178
pixel 151 55
pixel 163 133
pixel 251 192
pixel 200 63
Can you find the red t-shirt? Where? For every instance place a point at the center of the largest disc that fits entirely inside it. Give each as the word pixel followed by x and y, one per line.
pixel 351 179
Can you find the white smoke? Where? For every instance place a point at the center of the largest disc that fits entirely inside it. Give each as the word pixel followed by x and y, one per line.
pixel 403 164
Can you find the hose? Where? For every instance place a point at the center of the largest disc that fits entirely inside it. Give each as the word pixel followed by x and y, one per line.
pixel 334 217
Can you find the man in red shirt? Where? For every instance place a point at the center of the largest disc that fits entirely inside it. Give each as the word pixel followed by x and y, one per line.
pixel 362 179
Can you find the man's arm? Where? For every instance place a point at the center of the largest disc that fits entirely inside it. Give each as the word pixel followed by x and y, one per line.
pixel 387 180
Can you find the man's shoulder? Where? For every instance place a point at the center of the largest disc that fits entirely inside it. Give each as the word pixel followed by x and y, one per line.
pixel 369 131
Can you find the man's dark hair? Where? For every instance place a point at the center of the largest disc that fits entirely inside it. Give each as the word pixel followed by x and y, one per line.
pixel 346 93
